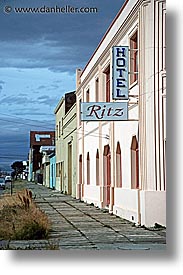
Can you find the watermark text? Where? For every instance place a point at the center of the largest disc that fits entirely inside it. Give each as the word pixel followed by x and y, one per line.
pixel 46 10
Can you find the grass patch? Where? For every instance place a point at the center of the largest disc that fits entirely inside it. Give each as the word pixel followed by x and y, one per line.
pixel 21 219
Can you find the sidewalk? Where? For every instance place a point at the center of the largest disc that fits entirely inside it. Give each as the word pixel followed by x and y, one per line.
pixel 77 225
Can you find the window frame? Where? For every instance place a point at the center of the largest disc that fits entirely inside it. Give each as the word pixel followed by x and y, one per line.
pixel 134 57
pixel 118 166
pixel 79 121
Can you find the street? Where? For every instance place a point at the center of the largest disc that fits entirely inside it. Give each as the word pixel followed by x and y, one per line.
pixel 77 225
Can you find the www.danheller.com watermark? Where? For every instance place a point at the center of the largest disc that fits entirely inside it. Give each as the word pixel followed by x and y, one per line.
pixel 46 10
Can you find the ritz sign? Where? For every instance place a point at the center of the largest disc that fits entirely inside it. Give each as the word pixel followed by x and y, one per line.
pixel 104 111
pixel 120 72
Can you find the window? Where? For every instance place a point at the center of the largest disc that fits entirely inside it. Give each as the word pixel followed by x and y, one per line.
pixel 57 169
pixel 97 167
pixel 88 168
pixel 88 96
pixel 134 163
pixel 62 126
pixel 118 166
pixel 97 90
pixel 59 128
pixel 134 58
pixel 61 175
pixel 57 132
pixel 107 94
pixel 80 112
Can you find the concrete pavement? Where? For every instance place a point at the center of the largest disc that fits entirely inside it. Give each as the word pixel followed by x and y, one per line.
pixel 77 225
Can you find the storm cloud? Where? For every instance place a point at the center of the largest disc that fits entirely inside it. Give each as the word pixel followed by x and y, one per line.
pixel 38 58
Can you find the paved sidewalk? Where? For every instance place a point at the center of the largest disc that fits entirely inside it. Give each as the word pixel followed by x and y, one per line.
pixel 77 225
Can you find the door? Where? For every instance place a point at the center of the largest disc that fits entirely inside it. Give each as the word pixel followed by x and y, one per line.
pixel 81 189
pixel 70 168
pixel 61 176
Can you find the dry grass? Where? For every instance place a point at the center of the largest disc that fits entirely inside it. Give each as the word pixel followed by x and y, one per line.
pixel 20 219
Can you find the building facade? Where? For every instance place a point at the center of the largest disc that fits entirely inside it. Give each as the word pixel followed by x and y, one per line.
pixel 38 139
pixel 121 164
pixel 66 161
pixel 47 152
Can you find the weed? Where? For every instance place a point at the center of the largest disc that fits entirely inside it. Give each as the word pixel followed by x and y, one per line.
pixel 21 219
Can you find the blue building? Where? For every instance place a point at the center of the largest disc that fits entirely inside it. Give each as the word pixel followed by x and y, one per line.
pixel 52 170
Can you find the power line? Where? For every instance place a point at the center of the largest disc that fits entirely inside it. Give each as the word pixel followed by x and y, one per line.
pixel 23 123
pixel 34 120
pixel 16 156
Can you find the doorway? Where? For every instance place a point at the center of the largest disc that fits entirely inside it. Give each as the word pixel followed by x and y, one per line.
pixel 81 189
pixel 61 176
pixel 107 174
pixel 69 168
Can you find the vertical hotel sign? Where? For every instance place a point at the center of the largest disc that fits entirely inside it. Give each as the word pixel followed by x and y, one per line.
pixel 120 72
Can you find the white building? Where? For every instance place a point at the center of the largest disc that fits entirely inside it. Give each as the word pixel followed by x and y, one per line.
pixel 66 161
pixel 121 164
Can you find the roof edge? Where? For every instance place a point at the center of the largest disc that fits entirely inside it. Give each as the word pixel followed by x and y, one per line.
pixel 59 104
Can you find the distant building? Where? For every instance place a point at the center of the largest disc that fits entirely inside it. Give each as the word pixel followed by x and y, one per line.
pixel 25 172
pixel 46 151
pixel 66 161
pixel 38 139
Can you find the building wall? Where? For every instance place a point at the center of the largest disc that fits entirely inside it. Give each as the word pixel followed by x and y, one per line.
pixel 59 113
pixel 69 140
pixel 145 128
pixel 152 106
pixel 38 139
pixel 66 149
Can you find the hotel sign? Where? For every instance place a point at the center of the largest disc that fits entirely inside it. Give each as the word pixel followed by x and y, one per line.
pixel 102 111
pixel 120 72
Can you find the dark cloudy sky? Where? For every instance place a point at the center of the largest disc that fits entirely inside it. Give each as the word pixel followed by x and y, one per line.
pixel 39 54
